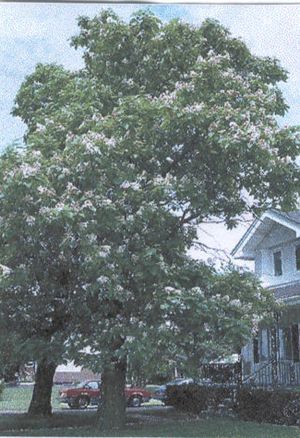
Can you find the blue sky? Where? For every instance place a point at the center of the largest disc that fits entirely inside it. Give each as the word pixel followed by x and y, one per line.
pixel 39 32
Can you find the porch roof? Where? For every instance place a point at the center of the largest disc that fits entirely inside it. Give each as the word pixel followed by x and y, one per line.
pixel 288 292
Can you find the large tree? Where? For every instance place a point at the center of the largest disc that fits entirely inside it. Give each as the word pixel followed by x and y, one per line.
pixel 167 126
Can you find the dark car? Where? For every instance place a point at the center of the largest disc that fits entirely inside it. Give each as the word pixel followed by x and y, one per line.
pixel 160 393
pixel 89 393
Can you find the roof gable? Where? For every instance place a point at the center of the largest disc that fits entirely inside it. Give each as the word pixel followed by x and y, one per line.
pixel 245 249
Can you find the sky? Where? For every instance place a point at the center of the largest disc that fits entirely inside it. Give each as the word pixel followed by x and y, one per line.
pixel 32 33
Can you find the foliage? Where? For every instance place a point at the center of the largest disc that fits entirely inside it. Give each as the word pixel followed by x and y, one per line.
pixel 167 126
pixel 196 398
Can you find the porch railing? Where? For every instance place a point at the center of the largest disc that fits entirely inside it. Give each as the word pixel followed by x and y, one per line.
pixel 274 372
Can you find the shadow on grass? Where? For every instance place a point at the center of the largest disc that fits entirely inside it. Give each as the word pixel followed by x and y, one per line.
pixel 57 420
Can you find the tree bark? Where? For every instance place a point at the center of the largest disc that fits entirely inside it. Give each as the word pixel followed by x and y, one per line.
pixel 41 398
pixel 113 402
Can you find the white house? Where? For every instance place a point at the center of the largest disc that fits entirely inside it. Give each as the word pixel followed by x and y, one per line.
pixel 273 243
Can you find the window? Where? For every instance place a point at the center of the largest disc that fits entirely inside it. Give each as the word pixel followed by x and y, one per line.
pixel 92 385
pixel 277 263
pixel 287 342
pixel 295 342
pixel 291 343
pixel 256 350
pixel 298 257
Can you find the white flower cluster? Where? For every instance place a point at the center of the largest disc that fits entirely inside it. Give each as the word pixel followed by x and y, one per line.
pixel 104 251
pixel 71 188
pixel 129 82
pixel 30 220
pixel 198 291
pixel 236 303
pixel 134 185
pixel 45 191
pixel 194 108
pixel 92 238
pixel 88 204
pixel 91 139
pixel 40 127
pixel 6 271
pixel 189 86
pixel 60 206
pixel 45 211
pixel 28 170
pixel 102 279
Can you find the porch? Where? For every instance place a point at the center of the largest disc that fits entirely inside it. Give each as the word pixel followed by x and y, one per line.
pixel 273 356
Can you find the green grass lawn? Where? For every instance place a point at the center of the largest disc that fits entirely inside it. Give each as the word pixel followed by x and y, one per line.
pixel 17 398
pixel 164 423
pixel 210 428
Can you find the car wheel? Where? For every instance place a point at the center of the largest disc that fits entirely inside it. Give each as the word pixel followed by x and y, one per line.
pixel 135 401
pixel 82 402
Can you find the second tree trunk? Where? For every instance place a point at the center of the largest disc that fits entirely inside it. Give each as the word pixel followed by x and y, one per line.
pixel 113 402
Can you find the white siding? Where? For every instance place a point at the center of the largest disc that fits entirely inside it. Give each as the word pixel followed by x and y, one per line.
pixel 279 239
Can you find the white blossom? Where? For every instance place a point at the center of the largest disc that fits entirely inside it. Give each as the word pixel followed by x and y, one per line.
pixel 92 237
pixel 6 271
pixel 60 206
pixel 29 170
pixel 88 204
pixel 102 279
pixel 40 127
pixel 104 250
pixel 194 108
pixel 134 185
pixel 236 303
pixel 30 220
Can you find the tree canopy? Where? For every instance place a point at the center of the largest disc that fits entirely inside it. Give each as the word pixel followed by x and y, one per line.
pixel 166 127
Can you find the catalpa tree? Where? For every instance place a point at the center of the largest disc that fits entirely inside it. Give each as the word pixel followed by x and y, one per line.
pixel 167 126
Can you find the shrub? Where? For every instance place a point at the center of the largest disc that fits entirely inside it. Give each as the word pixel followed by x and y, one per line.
pixel 195 398
pixel 271 406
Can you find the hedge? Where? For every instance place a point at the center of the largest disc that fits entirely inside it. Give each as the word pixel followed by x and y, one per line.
pixel 196 398
pixel 270 406
pixel 261 405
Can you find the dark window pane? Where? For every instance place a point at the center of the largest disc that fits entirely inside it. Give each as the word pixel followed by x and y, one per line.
pixel 277 263
pixel 298 258
pixel 287 342
pixel 255 350
pixel 295 342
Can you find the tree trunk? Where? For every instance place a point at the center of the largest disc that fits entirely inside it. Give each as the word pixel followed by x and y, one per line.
pixel 41 398
pixel 113 402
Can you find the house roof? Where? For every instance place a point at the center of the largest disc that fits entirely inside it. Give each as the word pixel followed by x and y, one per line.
pixel 292 216
pixel 245 249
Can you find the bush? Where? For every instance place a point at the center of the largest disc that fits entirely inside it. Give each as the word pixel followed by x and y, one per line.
pixel 196 398
pixel 270 406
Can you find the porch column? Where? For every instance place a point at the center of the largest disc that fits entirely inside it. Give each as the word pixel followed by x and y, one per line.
pixel 275 350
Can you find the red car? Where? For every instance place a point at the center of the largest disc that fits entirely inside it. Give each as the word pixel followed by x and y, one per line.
pixel 89 393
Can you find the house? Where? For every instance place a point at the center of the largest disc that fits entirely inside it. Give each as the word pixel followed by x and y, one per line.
pixel 273 243
pixel 71 373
